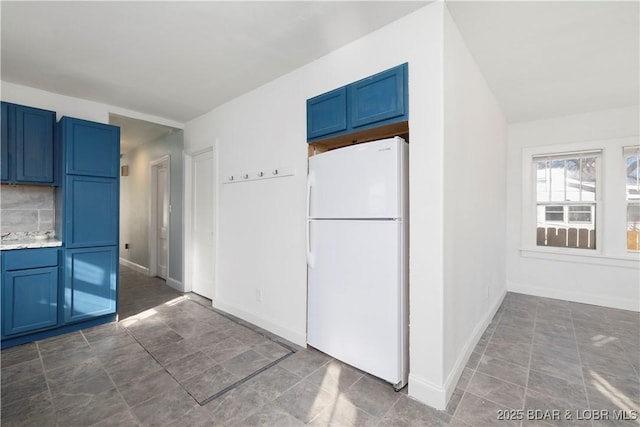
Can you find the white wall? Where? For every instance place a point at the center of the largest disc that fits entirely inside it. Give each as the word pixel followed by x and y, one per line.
pixel 612 277
pixel 475 151
pixel 72 107
pixel 261 224
pixel 135 193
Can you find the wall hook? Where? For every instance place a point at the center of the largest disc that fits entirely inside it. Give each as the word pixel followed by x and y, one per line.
pixel 275 172
pixel 260 174
pixel 245 176
pixel 231 178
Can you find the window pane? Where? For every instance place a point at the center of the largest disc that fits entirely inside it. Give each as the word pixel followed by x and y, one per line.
pixel 566 226
pixel 559 217
pixel 633 227
pixel 633 177
pixel 558 184
pixel 588 177
pixel 554 213
pixel 542 181
pixel 581 214
pixel 573 180
pixel 563 181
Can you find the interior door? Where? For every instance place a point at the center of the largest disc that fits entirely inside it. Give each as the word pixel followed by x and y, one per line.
pixel 202 235
pixel 163 220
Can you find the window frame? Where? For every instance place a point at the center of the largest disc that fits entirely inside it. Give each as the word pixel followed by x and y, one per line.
pixel 555 154
pixel 611 246
pixel 632 150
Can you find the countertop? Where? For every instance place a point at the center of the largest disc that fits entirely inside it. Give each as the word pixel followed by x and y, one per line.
pixel 29 240
pixel 7 245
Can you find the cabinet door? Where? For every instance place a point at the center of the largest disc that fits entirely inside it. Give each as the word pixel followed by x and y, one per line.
pixel 91 211
pixel 90 283
pixel 34 144
pixel 91 148
pixel 327 113
pixel 4 149
pixel 29 300
pixel 381 97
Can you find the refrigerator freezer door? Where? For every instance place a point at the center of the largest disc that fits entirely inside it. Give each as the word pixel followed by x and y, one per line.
pixel 355 294
pixel 359 181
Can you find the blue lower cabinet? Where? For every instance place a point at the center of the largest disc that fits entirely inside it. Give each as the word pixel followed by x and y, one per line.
pixel 90 283
pixel 29 300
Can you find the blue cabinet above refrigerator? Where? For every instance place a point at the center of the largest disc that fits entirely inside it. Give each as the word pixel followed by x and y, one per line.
pixel 376 101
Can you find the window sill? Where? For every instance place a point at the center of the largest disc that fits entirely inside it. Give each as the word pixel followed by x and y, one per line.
pixel 570 255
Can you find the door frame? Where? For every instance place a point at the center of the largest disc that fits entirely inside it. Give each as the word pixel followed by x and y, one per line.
pixel 154 165
pixel 188 218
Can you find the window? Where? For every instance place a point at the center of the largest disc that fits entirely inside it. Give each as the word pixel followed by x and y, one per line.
pixel 566 200
pixel 632 157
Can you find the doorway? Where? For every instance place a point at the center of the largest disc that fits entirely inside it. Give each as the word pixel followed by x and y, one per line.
pixel 202 223
pixel 159 212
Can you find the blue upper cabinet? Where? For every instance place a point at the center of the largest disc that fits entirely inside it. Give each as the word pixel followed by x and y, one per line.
pixel 90 184
pixel 381 99
pixel 327 113
pixel 27 145
pixel 91 211
pixel 4 149
pixel 90 148
pixel 34 145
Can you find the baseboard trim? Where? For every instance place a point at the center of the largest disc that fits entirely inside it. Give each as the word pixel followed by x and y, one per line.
pixel 427 392
pixel 584 298
pixel 438 396
pixel 132 265
pixel 175 284
pixel 286 333
pixel 455 374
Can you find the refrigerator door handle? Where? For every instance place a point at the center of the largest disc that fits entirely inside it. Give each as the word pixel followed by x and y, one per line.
pixel 309 254
pixel 308 196
pixel 308 230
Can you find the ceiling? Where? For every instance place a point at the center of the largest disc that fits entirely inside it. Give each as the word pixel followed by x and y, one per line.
pixel 175 59
pixel 553 58
pixel 178 60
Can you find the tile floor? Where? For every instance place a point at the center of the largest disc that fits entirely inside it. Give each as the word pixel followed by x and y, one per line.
pixel 170 351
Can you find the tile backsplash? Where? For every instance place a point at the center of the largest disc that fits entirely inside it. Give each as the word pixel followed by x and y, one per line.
pixel 26 208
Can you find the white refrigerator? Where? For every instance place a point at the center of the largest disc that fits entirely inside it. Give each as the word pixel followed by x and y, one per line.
pixel 357 257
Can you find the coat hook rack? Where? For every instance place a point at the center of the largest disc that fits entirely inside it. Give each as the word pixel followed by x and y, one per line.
pixel 258 175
